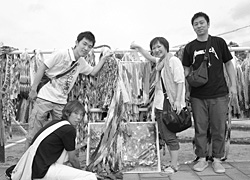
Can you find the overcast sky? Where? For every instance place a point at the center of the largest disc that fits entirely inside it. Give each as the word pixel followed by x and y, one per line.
pixel 50 24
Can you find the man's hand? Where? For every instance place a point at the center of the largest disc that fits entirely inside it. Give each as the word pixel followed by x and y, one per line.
pixel 108 53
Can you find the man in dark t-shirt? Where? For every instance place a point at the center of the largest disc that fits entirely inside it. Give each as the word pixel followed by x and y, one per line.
pixel 209 102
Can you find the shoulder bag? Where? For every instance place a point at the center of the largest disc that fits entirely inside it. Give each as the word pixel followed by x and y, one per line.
pixel 175 122
pixel 45 79
pixel 199 77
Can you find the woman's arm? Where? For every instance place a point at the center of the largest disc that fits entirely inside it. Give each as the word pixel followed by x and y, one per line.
pixel 177 103
pixel 145 53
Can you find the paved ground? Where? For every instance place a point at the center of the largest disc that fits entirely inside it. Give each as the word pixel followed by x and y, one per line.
pixel 234 171
pixel 236 168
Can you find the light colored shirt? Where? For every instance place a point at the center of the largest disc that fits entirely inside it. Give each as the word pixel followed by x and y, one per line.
pixel 57 91
pixel 178 76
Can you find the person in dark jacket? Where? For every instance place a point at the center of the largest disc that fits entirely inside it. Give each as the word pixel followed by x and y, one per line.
pixel 52 147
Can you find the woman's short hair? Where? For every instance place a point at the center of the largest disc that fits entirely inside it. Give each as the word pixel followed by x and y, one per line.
pixel 72 106
pixel 161 40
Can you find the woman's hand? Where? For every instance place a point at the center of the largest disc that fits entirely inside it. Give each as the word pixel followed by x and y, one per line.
pixel 134 46
pixel 177 107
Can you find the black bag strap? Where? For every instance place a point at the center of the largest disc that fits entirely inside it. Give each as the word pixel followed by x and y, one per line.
pixel 163 87
pixel 208 45
pixel 67 71
pixel 73 65
pixel 165 93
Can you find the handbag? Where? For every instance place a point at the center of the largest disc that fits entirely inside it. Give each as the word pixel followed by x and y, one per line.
pixel 199 77
pixel 175 122
pixel 45 79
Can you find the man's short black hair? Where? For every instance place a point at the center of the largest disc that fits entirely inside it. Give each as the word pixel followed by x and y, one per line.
pixel 88 35
pixel 200 14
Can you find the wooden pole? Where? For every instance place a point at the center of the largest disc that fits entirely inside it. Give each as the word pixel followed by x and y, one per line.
pixel 2 130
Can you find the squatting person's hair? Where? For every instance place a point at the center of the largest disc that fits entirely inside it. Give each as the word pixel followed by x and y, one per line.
pixel 72 106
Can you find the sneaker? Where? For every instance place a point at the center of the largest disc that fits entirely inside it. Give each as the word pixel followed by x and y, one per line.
pixel 170 170
pixel 218 168
pixel 201 165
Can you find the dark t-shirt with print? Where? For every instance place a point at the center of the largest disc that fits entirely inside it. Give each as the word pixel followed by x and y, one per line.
pixel 51 148
pixel 219 54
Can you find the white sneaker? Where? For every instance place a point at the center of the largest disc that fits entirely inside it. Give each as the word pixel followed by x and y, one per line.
pixel 201 165
pixel 217 166
pixel 170 170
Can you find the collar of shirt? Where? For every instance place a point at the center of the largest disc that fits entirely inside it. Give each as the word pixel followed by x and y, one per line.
pixel 71 54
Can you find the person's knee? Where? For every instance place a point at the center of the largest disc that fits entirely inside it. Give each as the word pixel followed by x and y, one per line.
pixel 57 112
pixel 34 127
pixel 173 145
